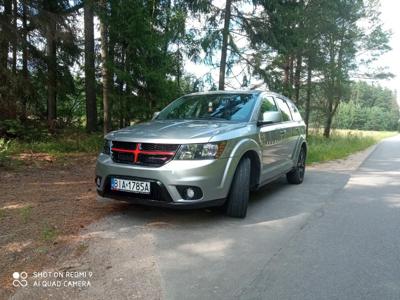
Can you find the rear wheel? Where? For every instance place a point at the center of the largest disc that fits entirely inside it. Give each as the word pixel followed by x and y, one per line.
pixel 296 176
pixel 239 193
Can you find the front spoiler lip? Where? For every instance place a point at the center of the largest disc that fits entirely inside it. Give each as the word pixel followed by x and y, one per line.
pixel 172 204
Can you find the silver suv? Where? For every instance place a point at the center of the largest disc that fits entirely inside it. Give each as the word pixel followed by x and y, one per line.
pixel 205 149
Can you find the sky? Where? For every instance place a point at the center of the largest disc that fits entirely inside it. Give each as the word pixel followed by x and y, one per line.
pixel 391 19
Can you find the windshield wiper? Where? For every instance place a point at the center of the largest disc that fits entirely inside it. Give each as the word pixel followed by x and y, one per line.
pixel 211 118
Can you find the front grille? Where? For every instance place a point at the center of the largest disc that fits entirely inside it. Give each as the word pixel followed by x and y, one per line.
pixel 124 145
pixel 158 191
pixel 159 147
pixel 153 159
pixel 121 157
pixel 146 154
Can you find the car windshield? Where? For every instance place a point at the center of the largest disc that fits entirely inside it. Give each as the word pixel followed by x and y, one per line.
pixel 231 107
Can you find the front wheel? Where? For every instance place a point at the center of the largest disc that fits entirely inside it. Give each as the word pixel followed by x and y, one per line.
pixel 296 176
pixel 239 193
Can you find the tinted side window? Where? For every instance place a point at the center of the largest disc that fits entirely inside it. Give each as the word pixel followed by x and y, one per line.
pixel 286 116
pixel 295 113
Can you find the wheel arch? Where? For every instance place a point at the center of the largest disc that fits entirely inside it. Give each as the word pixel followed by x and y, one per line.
pixel 255 169
pixel 247 148
pixel 302 143
pixel 305 146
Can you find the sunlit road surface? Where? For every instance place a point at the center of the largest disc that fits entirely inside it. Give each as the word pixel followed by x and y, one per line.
pixel 336 236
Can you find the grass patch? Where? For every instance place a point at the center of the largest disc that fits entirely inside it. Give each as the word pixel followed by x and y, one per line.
pixel 25 213
pixel 2 214
pixel 57 146
pixel 41 250
pixel 49 233
pixel 342 143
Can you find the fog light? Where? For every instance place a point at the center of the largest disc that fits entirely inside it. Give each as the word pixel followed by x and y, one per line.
pixel 190 193
pixel 98 181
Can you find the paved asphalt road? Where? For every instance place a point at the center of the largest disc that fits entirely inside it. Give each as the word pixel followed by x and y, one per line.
pixel 352 249
pixel 336 236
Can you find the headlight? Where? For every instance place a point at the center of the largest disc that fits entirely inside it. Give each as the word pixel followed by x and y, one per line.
pixel 201 151
pixel 107 147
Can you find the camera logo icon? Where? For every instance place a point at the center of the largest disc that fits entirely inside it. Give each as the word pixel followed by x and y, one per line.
pixel 20 279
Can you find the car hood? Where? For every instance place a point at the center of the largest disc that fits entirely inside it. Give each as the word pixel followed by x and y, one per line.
pixel 173 131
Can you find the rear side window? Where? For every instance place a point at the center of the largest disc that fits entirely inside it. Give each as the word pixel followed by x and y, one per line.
pixel 286 115
pixel 295 113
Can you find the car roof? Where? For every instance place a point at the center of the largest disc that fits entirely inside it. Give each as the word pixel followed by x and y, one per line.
pixel 249 92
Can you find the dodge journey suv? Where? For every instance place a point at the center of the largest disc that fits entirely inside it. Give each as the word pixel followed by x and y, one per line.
pixel 205 149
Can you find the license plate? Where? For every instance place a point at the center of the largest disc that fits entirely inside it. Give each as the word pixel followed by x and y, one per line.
pixel 133 186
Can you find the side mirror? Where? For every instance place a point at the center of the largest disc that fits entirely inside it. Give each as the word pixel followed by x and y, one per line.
pixel 270 117
pixel 155 115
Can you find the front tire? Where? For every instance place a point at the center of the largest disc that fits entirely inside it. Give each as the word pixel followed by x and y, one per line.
pixel 240 190
pixel 296 176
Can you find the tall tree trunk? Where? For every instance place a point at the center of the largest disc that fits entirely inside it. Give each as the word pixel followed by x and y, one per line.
pixel 127 101
pixel 291 76
pixel 4 38
pixel 286 76
pixel 297 79
pixel 90 83
pixel 328 125
pixel 51 75
pixel 14 36
pixel 105 71
pixel 110 77
pixel 167 28
pixel 224 49
pixel 178 68
pixel 329 118
pixel 308 97
pixel 111 45
pixel 121 104
pixel 121 83
pixel 25 72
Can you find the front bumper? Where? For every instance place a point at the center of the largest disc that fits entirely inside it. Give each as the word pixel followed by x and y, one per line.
pixel 213 177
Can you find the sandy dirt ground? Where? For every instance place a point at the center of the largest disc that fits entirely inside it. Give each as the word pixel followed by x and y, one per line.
pixel 44 204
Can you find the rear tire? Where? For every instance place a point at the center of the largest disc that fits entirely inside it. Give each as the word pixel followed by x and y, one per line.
pixel 296 176
pixel 239 193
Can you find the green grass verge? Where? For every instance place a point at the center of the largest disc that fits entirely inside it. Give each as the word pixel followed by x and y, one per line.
pixel 58 146
pixel 342 143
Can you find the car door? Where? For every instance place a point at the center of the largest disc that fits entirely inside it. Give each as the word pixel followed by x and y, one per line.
pixel 270 138
pixel 288 133
pixel 299 127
